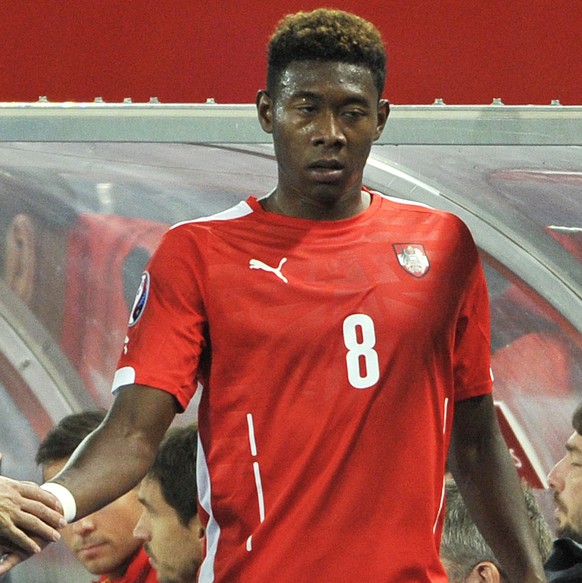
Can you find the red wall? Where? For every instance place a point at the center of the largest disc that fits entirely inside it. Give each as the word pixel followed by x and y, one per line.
pixel 463 51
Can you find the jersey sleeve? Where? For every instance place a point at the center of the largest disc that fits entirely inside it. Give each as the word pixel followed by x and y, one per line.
pixel 472 353
pixel 165 337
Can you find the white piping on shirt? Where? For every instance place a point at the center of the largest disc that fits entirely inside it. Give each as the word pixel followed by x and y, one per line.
pixel 206 574
pixel 445 416
pixel 257 473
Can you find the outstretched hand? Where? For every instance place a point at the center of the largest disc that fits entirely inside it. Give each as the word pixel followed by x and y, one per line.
pixel 29 519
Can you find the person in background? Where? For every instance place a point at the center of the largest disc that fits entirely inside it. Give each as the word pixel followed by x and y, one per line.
pixel 169 526
pixel 102 541
pixel 72 269
pixel 466 556
pixel 341 339
pixel 564 565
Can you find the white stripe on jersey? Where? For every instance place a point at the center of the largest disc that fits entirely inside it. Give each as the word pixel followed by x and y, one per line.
pixel 123 376
pixel 259 485
pixel 252 441
pixel 402 200
pixel 443 491
pixel 236 212
pixel 257 472
pixel 405 176
pixel 441 506
pixel 212 528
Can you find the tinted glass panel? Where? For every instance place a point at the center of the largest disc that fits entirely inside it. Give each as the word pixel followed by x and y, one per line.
pixel 88 216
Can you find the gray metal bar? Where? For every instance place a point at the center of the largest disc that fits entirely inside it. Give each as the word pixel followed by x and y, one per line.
pixel 217 123
pixel 38 361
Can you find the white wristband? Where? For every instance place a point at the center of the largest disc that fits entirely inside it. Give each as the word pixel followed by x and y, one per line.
pixel 65 498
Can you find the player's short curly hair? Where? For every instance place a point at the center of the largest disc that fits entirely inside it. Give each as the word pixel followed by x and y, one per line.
pixel 326 35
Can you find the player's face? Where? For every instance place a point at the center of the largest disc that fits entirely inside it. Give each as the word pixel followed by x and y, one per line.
pixel 103 541
pixel 324 118
pixel 565 479
pixel 175 550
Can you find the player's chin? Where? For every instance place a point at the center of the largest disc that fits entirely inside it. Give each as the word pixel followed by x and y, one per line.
pixel 100 566
pixel 165 576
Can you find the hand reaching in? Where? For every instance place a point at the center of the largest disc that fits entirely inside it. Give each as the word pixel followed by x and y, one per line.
pixel 29 519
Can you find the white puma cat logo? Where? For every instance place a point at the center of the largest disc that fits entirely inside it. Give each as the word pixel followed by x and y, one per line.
pixel 256 264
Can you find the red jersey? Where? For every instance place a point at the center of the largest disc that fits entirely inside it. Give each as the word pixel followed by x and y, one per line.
pixel 330 355
pixel 140 570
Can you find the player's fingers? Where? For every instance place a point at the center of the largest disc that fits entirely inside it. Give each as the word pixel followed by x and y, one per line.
pixel 40 519
pixel 14 536
pixel 10 559
pixel 34 492
pixel 30 523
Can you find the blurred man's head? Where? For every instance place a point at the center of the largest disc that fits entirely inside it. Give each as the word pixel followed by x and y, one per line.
pixel 464 553
pixel 36 213
pixel 565 480
pixel 170 526
pixel 103 541
pixel 70 269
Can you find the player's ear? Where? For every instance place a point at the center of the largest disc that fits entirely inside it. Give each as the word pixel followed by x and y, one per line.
pixel 265 110
pixel 201 531
pixel 20 256
pixel 484 572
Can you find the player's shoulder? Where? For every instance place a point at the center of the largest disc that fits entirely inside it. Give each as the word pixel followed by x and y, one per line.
pixel 419 210
pixel 395 203
pixel 195 232
pixel 238 211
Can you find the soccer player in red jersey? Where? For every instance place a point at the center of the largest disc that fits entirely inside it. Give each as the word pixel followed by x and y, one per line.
pixel 341 339
pixel 103 542
pixel 170 524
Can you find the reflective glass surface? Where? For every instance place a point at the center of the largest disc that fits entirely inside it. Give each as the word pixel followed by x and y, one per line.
pixel 94 212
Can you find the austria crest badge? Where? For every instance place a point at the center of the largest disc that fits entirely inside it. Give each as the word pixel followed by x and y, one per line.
pixel 412 258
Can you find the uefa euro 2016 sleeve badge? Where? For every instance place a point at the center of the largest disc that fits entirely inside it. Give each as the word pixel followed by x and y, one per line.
pixel 412 258
pixel 141 297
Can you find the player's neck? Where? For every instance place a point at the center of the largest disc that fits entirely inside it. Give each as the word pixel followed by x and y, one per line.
pixel 318 208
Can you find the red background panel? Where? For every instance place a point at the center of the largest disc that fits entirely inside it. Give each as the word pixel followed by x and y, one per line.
pixel 187 50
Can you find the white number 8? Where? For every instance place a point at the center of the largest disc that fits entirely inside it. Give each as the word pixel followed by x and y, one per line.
pixel 361 358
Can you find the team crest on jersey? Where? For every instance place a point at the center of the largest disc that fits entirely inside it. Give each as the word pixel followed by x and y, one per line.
pixel 141 297
pixel 413 258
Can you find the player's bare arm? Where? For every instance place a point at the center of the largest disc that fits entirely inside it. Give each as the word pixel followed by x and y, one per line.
pixel 116 456
pixel 490 486
pixel 112 460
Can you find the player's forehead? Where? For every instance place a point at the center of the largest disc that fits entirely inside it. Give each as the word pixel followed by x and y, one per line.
pixel 327 78
pixel 574 444
pixel 149 492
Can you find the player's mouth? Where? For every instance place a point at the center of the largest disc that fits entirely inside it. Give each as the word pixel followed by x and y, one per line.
pixel 91 551
pixel 326 170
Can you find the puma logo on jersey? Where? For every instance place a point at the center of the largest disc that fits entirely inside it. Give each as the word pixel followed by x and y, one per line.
pixel 256 264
